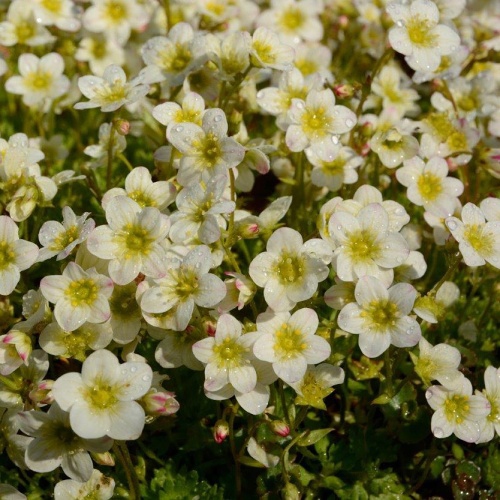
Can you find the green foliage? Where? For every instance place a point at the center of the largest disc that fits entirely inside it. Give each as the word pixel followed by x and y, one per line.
pixel 171 484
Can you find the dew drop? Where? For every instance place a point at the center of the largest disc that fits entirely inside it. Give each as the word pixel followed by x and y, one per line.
pixel 133 369
pixel 335 139
pixel 349 123
pixel 452 225
pixel 179 128
pixel 146 378
pixel 217 118
pixel 438 432
pixel 260 94
pixel 428 395
pixel 300 105
pixel 400 23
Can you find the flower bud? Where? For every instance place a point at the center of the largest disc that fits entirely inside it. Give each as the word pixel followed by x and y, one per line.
pixel 122 126
pixel 162 403
pixel 21 341
pixel 280 428
pixel 343 90
pixel 103 458
pixel 221 431
pixel 42 393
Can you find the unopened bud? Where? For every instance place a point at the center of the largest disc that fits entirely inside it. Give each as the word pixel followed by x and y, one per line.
pixel 122 126
pixel 42 393
pixel 290 492
pixel 103 458
pixel 343 90
pixel 221 431
pixel 343 21
pixel 280 428
pixel 21 341
pixel 162 403
pixel 248 230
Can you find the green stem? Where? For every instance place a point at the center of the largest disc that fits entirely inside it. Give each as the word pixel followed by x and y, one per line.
pixel 301 416
pixel 281 390
pixel 168 13
pixel 121 450
pixel 129 165
pixel 109 170
pixel 451 269
pixel 388 373
pixel 234 452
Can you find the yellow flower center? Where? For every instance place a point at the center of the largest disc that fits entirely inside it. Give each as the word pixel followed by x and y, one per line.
pixel 289 343
pixel 24 31
pixel 82 292
pixel 264 52
pixel 101 395
pixel 98 49
pixel 188 116
pixel 441 125
pixel 457 141
pixel 481 241
pixel 426 369
pixel 420 32
pixel 316 122
pixel 7 255
pixel 113 92
pixel 209 149
pixel 290 268
pixel 176 60
pixel 54 6
pixel 291 19
pixel 494 415
pixel 115 11
pixel 456 408
pixel 62 240
pixel 122 302
pixel 229 353
pixel 135 239
pixel 335 167
pixel 141 198
pixel 307 66
pixel 429 186
pixel 187 283
pixel 77 343
pixel 38 80
pixel 362 246
pixel 313 392
pixel 380 315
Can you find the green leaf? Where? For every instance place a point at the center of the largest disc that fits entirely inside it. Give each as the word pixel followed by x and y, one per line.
pixel 469 469
pixel 313 437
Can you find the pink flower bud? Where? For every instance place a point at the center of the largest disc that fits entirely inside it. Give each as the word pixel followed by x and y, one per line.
pixel 343 90
pixel 280 428
pixel 161 403
pixel 42 393
pixel 122 126
pixel 221 431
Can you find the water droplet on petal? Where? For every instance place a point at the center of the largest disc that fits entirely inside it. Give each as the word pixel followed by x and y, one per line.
pixel 438 432
pixel 179 128
pixel 300 105
pixel 133 369
pixel 335 139
pixel 452 225
pixel 146 378
pixel 400 23
pixel 349 123
pixel 217 118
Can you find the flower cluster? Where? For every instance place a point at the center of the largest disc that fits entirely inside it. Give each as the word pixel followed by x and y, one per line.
pixel 307 202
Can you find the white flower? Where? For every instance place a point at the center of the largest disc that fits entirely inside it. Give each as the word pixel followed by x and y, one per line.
pixel 257 452
pixel 191 111
pixel 393 147
pixel 112 91
pixel 266 51
pixel 140 187
pixel 100 51
pixel 381 316
pixel 55 444
pixel 492 394
pixel 228 356
pixel 432 308
pixel 239 291
pixel 207 150
pixel 294 20
pixel 317 122
pixel 429 185
pixel 98 487
pixel 187 282
pixel 101 400
pixel 126 315
pixel 478 240
pixel 15 255
pixel 176 55
pixel 8 492
pixel 132 241
pixel 78 296
pixel 289 343
pixel 60 13
pixel 75 344
pixel 41 80
pixel 334 173
pixel 21 27
pixel 100 151
pixel 290 270
pixel 316 385
pixel 115 18
pixel 60 239
pixel 457 411
pixel 231 54
pixel 200 212
pixel 365 245
pixel 439 362
pixel 491 209
pixel 418 36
